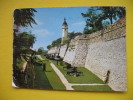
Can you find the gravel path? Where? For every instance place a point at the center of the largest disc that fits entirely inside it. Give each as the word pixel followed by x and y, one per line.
pixel 61 76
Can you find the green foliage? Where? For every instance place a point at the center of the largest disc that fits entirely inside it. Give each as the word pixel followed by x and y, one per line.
pixel 40 50
pixel 49 46
pixel 98 17
pixel 56 42
pixel 24 17
pixel 37 61
pixel 72 35
pixel 113 13
pixel 66 42
pixel 106 23
pixel 93 88
pixel 93 19
pixel 44 52
pixel 20 62
pixel 23 42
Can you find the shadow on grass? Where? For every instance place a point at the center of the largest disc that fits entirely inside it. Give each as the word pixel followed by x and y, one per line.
pixel 41 80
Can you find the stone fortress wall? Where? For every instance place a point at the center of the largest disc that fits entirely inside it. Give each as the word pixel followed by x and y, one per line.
pixel 107 52
pixel 62 51
pixel 103 52
pixel 53 51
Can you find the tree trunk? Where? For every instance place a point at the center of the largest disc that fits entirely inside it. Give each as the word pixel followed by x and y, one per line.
pixel 111 20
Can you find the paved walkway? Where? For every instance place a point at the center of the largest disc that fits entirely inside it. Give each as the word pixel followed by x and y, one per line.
pixel 61 76
pixel 38 56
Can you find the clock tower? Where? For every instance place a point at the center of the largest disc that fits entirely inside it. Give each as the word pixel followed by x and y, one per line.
pixel 64 31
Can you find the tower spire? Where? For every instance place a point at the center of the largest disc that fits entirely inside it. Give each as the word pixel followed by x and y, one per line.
pixel 64 19
pixel 64 23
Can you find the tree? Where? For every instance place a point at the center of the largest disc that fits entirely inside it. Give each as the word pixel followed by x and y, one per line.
pixel 121 12
pixel 56 42
pixel 94 19
pixel 40 50
pixel 22 44
pixel 97 17
pixel 72 35
pixel 109 13
pixel 24 17
pixel 49 46
pixel 22 41
pixel 112 13
pixel 105 24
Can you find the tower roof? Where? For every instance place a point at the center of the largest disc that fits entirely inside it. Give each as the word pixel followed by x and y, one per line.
pixel 64 23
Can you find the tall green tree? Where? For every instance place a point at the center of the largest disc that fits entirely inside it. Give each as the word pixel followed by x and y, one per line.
pixel 94 19
pixel 24 17
pixel 40 50
pixel 113 13
pixel 56 42
pixel 22 44
pixel 22 41
pixel 121 12
pixel 49 46
pixel 109 13
pixel 98 17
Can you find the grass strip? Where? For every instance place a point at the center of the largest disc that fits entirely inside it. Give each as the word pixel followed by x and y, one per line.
pixel 41 81
pixel 53 77
pixel 93 88
pixel 87 78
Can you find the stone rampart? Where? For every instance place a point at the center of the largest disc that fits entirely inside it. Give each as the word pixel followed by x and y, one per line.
pixel 53 50
pixel 102 51
pixel 70 53
pixel 63 50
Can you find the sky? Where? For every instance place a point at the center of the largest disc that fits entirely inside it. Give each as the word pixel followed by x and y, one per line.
pixel 49 23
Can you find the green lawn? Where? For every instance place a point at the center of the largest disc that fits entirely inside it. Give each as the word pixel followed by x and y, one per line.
pixel 41 81
pixel 87 77
pixel 52 76
pixel 93 88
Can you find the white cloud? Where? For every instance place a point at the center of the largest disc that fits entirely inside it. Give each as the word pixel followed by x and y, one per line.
pixel 78 23
pixel 41 32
